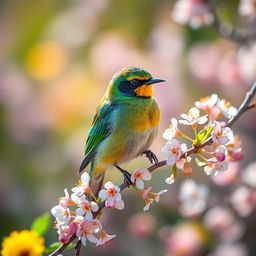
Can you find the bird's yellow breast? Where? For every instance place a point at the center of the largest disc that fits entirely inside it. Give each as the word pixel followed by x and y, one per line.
pixel 145 117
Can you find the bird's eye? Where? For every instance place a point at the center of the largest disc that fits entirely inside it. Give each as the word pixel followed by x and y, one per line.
pixel 135 82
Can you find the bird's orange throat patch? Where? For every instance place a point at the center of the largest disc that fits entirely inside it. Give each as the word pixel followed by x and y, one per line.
pixel 144 91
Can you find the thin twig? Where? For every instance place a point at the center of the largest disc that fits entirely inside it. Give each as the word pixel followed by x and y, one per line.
pixel 246 105
pixel 78 248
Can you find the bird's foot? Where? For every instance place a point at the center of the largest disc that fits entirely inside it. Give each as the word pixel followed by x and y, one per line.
pixel 126 175
pixel 151 156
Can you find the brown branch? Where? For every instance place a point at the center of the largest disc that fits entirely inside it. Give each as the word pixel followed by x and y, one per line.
pixel 227 31
pixel 246 105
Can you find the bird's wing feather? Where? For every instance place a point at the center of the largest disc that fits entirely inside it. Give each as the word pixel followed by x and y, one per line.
pixel 101 128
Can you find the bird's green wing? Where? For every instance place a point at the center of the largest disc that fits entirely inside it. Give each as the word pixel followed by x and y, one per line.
pixel 101 128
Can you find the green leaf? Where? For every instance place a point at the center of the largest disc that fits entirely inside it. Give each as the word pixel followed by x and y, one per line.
pixel 54 246
pixel 200 163
pixel 41 224
pixel 202 136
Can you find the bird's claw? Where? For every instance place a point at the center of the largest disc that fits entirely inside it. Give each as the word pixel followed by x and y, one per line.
pixel 126 175
pixel 151 156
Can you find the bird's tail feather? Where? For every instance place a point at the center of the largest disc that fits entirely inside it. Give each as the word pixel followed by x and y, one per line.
pixel 96 183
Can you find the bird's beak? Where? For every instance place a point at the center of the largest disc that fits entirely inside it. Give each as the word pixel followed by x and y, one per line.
pixel 154 81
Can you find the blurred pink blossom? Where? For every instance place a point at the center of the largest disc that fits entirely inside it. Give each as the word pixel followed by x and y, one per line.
pixel 247 8
pixel 141 224
pixel 193 198
pixel 193 12
pixel 243 200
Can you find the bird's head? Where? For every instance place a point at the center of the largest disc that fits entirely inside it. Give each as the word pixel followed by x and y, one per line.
pixel 132 82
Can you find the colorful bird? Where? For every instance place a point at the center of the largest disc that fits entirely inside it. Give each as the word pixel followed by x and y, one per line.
pixel 124 126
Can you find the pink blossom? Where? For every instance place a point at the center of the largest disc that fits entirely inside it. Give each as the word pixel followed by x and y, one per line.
pixel 247 8
pixel 151 197
pixel 85 208
pixel 141 224
pixel 62 214
pixel 193 12
pixel 172 131
pixel 139 175
pixel 185 239
pixel 193 118
pixel 82 186
pixel 249 175
pixel 221 135
pixel 66 200
pixel 193 198
pixel 227 177
pixel 87 229
pixel 112 196
pixel 172 150
pixel 226 108
pixel 213 167
pixel 227 248
pixel 244 201
pixel 104 238
pixel 207 103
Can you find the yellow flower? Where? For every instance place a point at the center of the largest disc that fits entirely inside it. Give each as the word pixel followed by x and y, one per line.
pixel 23 243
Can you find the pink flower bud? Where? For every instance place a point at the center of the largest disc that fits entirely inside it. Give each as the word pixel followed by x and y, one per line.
pixel 73 227
pixel 237 156
pixel 220 157
pixel 64 238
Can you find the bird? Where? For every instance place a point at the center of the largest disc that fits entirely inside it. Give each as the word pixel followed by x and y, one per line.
pixel 124 126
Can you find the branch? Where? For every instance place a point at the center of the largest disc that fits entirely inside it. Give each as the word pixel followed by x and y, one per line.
pixel 240 36
pixel 246 105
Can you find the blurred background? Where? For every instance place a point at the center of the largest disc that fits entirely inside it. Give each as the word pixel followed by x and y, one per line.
pixel 56 59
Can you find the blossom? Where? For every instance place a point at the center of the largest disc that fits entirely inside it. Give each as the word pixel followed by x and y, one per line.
pixel 66 200
pixel 221 135
pixel 23 242
pixel 213 166
pixel 193 198
pixel 104 238
pixel 87 229
pixel 112 196
pixel 249 175
pixel 193 12
pixel 172 131
pixel 186 238
pixel 222 221
pixel 83 185
pixel 141 224
pixel 172 150
pixel 247 7
pixel 193 118
pixel 226 248
pixel 243 200
pixel 228 177
pixel 226 108
pixel 86 208
pixel 139 175
pixel 62 214
pixel 207 103
pixel 151 197
pixel 64 232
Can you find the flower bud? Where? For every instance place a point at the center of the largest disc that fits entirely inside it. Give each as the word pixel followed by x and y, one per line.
pixel 64 238
pixel 220 157
pixel 73 227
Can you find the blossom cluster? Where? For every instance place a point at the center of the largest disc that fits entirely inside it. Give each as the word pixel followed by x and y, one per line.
pixel 78 214
pixel 223 215
pixel 197 13
pixel 82 220
pixel 214 158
